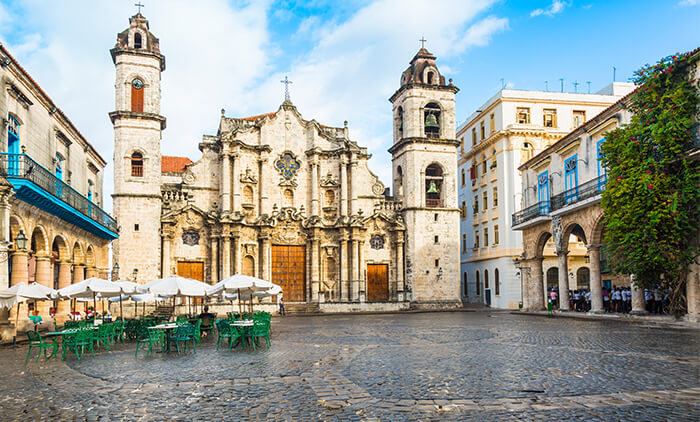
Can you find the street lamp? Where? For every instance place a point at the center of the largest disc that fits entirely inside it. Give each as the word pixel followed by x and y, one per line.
pixel 21 241
pixel 519 266
pixel 134 274
pixel 115 272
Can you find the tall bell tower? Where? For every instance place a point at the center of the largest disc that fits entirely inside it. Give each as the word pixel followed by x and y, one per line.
pixel 424 156
pixel 138 126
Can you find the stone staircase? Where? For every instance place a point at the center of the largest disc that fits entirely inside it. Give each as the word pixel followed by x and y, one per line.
pixel 301 308
pixel 164 311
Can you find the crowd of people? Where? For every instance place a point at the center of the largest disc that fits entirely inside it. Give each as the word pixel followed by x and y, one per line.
pixel 615 300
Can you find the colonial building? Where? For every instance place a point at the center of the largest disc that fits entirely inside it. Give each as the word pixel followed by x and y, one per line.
pixel 568 205
pixel 52 227
pixel 506 131
pixel 288 199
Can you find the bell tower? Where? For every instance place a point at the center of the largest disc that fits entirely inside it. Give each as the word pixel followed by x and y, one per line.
pixel 138 126
pixel 424 156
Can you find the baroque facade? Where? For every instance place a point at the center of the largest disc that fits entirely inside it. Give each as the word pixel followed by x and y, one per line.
pixel 50 195
pixel 286 199
pixel 506 131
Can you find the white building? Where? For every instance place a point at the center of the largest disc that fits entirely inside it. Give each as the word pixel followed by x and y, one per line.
pixel 506 131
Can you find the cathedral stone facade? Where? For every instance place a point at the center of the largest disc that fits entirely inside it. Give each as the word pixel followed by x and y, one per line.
pixel 287 199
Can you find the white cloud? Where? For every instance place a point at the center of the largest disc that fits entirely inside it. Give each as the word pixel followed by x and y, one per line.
pixel 480 33
pixel 689 2
pixel 556 7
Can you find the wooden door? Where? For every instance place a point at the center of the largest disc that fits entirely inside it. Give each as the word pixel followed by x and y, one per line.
pixel 377 282
pixel 289 271
pixel 193 270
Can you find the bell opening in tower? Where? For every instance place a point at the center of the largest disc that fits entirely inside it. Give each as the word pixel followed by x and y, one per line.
pixel 432 120
pixel 433 186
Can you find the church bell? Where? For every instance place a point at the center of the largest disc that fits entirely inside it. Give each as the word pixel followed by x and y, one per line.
pixel 433 187
pixel 431 121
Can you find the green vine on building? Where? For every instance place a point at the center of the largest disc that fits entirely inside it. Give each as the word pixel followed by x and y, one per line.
pixel 651 202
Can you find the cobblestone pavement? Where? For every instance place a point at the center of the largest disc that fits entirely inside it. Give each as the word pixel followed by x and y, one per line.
pixel 432 366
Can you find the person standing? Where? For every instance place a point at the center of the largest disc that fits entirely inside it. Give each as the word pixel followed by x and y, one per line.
pixel 280 301
pixel 553 296
pixel 606 300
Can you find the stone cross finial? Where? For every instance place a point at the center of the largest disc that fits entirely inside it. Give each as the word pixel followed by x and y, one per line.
pixel 286 83
pixel 139 5
pixel 422 41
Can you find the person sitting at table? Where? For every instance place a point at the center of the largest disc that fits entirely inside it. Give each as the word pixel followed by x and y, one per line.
pixel 207 319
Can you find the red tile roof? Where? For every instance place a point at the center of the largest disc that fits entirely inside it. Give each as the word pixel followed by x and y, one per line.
pixel 169 164
pixel 270 115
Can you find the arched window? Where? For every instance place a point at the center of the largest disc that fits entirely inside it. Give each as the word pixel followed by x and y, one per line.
pixel 400 120
pixel 288 198
pixel 431 120
pixel 248 266
pixel 330 198
pixel 247 195
pixel 431 78
pixel 137 164
pixel 137 40
pixel 137 95
pixel 433 186
pixel 497 281
pixel 478 284
pixel 486 279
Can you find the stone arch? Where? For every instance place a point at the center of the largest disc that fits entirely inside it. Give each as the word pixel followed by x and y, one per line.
pixel 434 185
pixel 90 256
pixel 39 241
pixel 542 240
pixel 248 195
pixel 78 254
pixel 595 236
pixel 288 195
pixel 60 245
pixel 432 119
pixel 572 229
pixel 16 224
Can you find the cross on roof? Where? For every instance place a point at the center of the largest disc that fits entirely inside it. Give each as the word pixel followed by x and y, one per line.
pixel 286 83
pixel 422 41
pixel 139 5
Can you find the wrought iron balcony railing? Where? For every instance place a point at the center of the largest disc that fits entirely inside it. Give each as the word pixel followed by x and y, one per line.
pixel 579 193
pixel 539 209
pixel 21 166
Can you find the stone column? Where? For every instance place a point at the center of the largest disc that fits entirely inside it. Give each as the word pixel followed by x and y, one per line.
pixel 596 288
pixel 43 271
pixel 314 187
pixel 343 186
pixel 354 276
pixel 692 291
pixel 214 248
pixel 400 282
pixel 236 185
pixel 226 256
pixel 91 272
pixel 360 269
pixel 78 273
pixel 563 281
pixel 315 279
pixel 265 258
pixel 226 182
pixel 344 282
pixel 64 279
pixel 20 269
pixel 638 303
pixel 537 285
pixel 262 191
pixel 5 239
pixel 352 187
pixel 237 254
pixel 165 259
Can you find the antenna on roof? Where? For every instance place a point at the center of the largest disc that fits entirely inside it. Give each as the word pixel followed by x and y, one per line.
pixel 546 86
pixel 576 87
pixel 589 86
pixel 503 83
pixel 562 84
pixel 614 73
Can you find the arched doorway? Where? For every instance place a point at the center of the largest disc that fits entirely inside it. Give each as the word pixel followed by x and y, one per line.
pixel 583 278
pixel 552 278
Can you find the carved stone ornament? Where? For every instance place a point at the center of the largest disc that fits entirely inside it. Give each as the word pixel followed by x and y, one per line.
pixel 190 237
pixel 378 188
pixel 376 241
pixel 248 177
pixel 188 177
pixel 557 233
pixel 289 234
pixel 329 181
pixel 287 165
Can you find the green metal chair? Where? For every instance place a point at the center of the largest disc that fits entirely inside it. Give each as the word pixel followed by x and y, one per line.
pixel 102 335
pixel 184 334
pixel 225 331
pixel 198 331
pixel 155 336
pixel 260 329
pixel 118 331
pixel 77 341
pixel 36 342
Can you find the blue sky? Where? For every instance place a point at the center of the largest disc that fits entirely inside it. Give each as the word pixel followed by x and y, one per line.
pixel 345 57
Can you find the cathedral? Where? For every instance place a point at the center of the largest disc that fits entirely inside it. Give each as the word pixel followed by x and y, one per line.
pixel 287 199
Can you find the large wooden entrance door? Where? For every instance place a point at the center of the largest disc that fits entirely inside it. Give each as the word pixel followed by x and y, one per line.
pixel 377 282
pixel 193 270
pixel 289 271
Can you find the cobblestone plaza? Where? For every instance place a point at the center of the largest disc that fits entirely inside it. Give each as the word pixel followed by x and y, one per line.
pixel 426 366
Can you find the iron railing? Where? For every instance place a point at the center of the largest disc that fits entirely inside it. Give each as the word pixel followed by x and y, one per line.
pixel 579 193
pixel 539 209
pixel 21 166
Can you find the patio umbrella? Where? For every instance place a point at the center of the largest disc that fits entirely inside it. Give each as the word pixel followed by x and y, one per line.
pixel 22 292
pixel 241 285
pixel 90 288
pixel 175 286
pixel 127 287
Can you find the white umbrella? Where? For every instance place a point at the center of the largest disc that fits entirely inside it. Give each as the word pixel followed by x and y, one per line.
pixel 272 291
pixel 127 287
pixel 175 286
pixel 90 288
pixel 241 285
pixel 22 292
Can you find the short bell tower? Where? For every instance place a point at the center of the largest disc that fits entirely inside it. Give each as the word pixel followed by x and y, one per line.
pixel 138 126
pixel 424 156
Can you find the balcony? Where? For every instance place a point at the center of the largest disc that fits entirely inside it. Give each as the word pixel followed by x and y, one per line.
pixel 540 209
pixel 38 186
pixel 584 191
pixel 433 203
